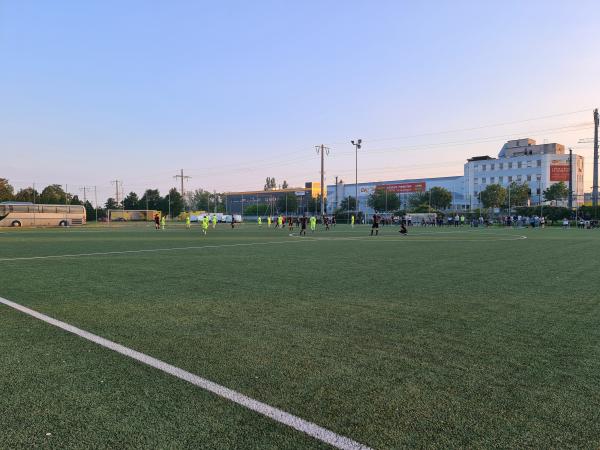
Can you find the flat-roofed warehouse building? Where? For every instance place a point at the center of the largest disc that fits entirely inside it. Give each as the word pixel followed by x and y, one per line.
pixel 520 161
pixel 272 201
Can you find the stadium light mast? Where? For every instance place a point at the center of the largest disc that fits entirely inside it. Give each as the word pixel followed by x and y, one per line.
pixel 357 145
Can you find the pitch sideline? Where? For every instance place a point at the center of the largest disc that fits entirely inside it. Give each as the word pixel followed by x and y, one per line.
pixel 276 414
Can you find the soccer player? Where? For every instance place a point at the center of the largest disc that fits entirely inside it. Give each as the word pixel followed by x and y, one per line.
pixel 214 221
pixel 279 222
pixel 259 221
pixel 232 221
pixel 188 223
pixel 403 230
pixel 290 223
pixel 163 222
pixel 269 221
pixel 333 221
pixel 375 226
pixel 326 222
pixel 352 220
pixel 157 221
pixel 313 223
pixel 205 223
pixel 303 226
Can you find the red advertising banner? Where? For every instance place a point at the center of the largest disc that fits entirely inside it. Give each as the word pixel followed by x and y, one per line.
pixel 559 171
pixel 403 188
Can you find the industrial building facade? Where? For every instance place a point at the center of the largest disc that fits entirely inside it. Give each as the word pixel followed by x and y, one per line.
pixel 519 161
pixel 273 201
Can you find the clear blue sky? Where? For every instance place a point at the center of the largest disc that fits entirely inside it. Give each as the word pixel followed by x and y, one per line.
pixel 236 91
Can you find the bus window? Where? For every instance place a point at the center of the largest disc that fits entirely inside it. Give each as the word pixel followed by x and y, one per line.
pixel 49 209
pixel 62 209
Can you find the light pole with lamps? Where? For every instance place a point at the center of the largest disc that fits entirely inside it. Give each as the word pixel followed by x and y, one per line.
pixel 357 144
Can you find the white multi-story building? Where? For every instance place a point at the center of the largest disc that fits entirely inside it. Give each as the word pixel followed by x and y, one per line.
pixel 523 161
pixel 519 161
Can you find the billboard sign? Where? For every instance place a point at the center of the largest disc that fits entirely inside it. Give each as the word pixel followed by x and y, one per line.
pixel 559 171
pixel 403 188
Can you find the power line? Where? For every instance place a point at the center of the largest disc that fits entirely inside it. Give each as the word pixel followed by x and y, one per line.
pixel 460 130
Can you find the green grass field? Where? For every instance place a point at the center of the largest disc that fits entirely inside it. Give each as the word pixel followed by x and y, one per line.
pixel 444 338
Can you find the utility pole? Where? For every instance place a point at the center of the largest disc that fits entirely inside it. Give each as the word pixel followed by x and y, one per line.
pixel 357 145
pixel 570 202
pixel 322 149
pixel 182 178
pixel 595 187
pixel 116 182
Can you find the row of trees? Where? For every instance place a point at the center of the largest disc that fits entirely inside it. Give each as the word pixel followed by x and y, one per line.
pixel 172 203
pixel 496 196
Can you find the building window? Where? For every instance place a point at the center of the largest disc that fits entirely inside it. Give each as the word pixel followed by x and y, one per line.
pixel 539 163
pixel 519 178
pixel 483 181
pixel 538 191
pixel 476 180
pixel 483 167
pixel 528 177
pixel 500 179
pixel 501 166
pixel 529 163
pixel 538 177
pixel 476 167
pixel 492 179
pixel 510 165
pixel 519 164
pixel 492 166
pixel 510 179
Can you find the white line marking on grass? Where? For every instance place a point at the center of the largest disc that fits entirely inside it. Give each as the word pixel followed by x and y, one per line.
pixel 150 250
pixel 276 414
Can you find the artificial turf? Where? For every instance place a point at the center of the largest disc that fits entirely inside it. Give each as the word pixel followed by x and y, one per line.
pixel 444 338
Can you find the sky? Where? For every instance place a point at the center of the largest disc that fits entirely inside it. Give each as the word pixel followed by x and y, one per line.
pixel 236 91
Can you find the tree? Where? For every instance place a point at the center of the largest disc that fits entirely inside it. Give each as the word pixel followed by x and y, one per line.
pixel 418 200
pixel 348 203
pixel 132 202
pixel 440 198
pixel 111 203
pixel 6 190
pixel 288 202
pixel 557 191
pixel 75 201
pixel 90 211
pixel 53 195
pixel 257 210
pixel 313 204
pixel 493 196
pixel 27 195
pixel 151 199
pixel 173 203
pixel 270 184
pixel 382 200
pixel 518 194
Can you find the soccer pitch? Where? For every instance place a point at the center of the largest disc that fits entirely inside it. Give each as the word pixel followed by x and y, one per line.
pixel 452 337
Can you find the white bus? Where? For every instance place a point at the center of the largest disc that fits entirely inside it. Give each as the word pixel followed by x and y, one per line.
pixel 17 214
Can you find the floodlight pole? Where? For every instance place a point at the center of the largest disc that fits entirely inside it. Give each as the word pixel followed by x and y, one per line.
pixel 595 187
pixel 357 145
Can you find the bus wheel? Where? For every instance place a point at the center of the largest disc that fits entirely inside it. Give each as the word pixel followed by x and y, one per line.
pixel 62 223
pixel 15 223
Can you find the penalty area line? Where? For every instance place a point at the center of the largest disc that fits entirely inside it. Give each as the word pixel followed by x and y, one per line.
pixel 276 414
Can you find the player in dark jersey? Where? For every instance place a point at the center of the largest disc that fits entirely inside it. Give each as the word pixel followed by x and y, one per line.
pixel 326 222
pixel 303 226
pixel 403 230
pixel 375 226
pixel 290 223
